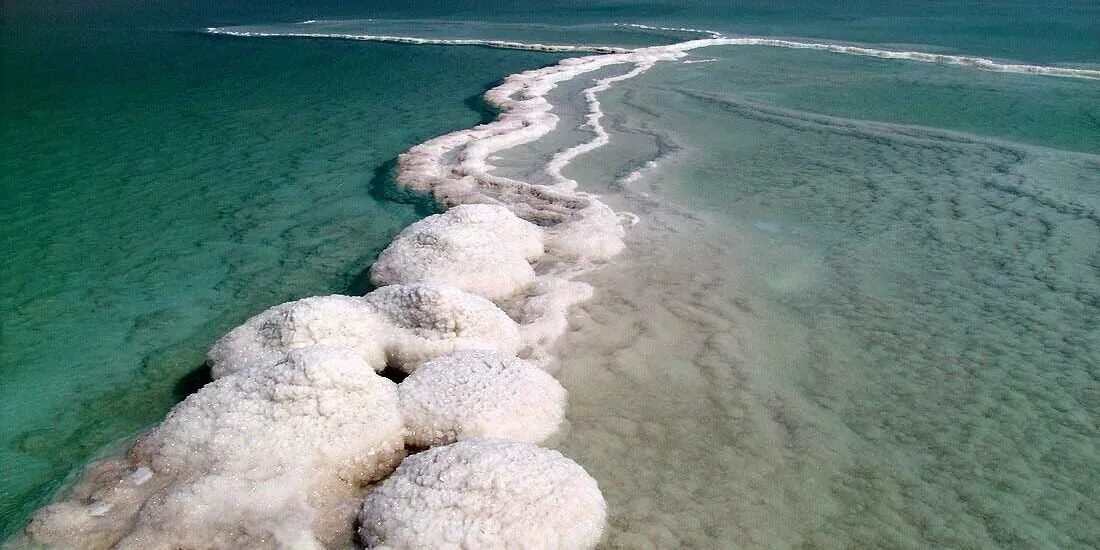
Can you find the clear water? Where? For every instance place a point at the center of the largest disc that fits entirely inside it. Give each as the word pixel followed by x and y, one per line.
pixel 860 309
pixel 158 187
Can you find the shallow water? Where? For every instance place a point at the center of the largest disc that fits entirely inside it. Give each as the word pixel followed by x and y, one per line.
pixel 859 308
pixel 152 205
pixel 840 332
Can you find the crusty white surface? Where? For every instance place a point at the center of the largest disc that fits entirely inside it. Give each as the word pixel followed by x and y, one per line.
pixel 320 408
pixel 424 321
pixel 397 325
pixel 262 458
pixel 479 248
pixel 479 394
pixel 468 257
pixel 485 493
pixel 265 339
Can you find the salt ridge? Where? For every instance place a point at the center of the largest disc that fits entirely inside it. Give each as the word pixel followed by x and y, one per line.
pixel 503 44
pixel 716 39
pixel 281 359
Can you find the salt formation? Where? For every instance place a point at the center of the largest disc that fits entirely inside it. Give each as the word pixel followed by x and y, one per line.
pixel 264 457
pixel 543 314
pixel 225 512
pixel 485 493
pixel 275 452
pixel 477 394
pixel 424 321
pixel 481 249
pixel 267 338
pixel 399 325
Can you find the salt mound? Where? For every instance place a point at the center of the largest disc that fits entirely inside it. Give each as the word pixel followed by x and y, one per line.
pixel 321 405
pixel 425 321
pixel 485 493
pixel 265 339
pixel 468 257
pixel 398 325
pixel 239 462
pixel 225 512
pixel 478 248
pixel 478 394
pixel 523 237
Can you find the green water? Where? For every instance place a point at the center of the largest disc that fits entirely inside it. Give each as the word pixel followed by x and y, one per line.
pixel 158 187
pixel 934 286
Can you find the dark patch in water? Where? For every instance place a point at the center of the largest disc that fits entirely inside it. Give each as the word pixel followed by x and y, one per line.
pixel 360 284
pixel 192 382
pixel 383 187
pixel 483 108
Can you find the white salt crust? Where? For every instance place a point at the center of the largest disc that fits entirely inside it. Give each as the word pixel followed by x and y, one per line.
pixel 262 458
pixel 272 454
pixel 715 39
pixel 267 338
pixel 485 493
pixel 425 321
pixel 399 326
pixel 239 492
pixel 477 394
pixel 481 249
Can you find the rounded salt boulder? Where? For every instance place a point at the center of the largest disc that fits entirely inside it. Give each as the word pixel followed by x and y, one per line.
pixel 479 248
pixel 522 236
pixel 424 321
pixel 479 394
pixel 262 458
pixel 322 409
pixel 485 493
pixel 471 258
pixel 265 339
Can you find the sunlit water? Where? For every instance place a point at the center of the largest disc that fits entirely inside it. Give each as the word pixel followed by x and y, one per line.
pixel 152 204
pixel 861 307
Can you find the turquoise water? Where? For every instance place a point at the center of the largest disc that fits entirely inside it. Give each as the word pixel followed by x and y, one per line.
pixel 158 187
pixel 917 243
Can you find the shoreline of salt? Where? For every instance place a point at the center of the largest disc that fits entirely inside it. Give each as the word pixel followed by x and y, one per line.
pixel 412 312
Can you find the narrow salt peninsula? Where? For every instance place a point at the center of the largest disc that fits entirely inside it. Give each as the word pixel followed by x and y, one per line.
pixel 301 442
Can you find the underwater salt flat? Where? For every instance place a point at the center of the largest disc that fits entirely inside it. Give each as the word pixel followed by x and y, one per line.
pixel 844 332
pixel 528 162
pixel 779 426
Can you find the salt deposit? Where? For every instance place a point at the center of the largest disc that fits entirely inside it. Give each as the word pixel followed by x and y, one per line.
pixel 424 321
pixel 477 394
pixel 462 248
pixel 263 457
pixel 267 338
pixel 398 325
pixel 485 493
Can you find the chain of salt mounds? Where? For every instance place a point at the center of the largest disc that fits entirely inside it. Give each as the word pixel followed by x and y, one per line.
pixel 297 425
